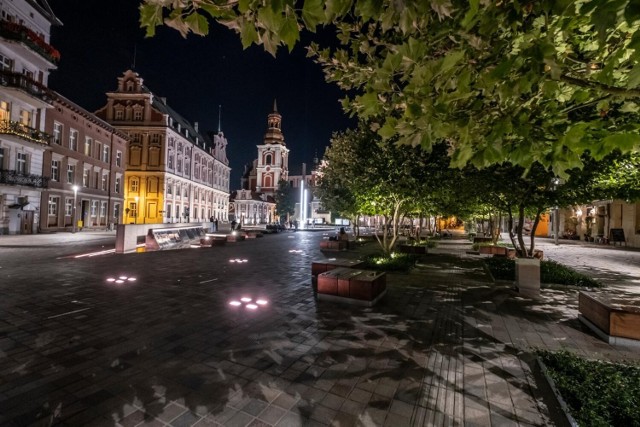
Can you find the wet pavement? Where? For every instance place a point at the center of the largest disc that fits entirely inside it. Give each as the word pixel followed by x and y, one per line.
pixel 446 346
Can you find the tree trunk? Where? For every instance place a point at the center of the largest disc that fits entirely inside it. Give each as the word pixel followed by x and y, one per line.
pixel 511 235
pixel 532 245
pixel 520 229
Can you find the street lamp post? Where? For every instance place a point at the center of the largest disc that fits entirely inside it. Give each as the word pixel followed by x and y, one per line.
pixel 75 202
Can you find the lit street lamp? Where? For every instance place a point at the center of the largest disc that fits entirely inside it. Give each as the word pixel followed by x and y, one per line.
pixel 75 202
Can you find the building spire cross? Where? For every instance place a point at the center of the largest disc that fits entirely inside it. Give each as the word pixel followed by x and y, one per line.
pixel 219 118
pixel 275 106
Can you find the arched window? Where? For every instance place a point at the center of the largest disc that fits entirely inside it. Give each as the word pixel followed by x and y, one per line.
pixel 267 159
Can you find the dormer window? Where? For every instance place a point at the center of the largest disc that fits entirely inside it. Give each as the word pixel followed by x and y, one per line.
pixel 130 86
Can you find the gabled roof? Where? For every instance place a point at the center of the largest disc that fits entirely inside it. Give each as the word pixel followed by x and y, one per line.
pixel 255 196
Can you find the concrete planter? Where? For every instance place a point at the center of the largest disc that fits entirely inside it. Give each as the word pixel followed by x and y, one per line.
pixel 528 277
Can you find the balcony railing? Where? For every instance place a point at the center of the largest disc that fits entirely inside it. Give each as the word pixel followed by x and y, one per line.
pixel 20 130
pixel 20 33
pixel 27 84
pixel 11 177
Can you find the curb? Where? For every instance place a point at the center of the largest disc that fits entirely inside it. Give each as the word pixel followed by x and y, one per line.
pixel 556 393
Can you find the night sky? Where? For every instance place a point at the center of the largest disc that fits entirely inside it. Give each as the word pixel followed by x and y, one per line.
pixel 97 43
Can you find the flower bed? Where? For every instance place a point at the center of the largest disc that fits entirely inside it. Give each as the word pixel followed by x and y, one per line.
pixel 597 393
pixel 550 272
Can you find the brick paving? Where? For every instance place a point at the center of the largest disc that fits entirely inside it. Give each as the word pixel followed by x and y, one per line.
pixel 446 346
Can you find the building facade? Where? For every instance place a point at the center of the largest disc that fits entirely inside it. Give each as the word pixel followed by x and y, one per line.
pixel 26 59
pixel 174 173
pixel 85 169
pixel 255 202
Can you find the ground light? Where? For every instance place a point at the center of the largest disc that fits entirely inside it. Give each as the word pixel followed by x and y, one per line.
pixel 238 260
pixel 121 279
pixel 249 303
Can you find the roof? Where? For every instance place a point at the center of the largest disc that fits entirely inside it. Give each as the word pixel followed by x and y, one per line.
pixel 255 196
pixel 43 7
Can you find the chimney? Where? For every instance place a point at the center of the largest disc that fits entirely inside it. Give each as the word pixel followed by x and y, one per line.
pixel 195 126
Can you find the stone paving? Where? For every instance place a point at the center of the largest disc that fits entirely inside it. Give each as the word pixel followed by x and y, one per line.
pixel 446 346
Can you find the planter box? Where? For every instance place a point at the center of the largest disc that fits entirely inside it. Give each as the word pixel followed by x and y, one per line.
pixel 321 266
pixel 333 245
pixel 528 277
pixel 410 249
pixel 493 250
pixel 615 320
pixel 353 286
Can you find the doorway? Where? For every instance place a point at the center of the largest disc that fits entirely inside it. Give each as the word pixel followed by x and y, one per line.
pixel 26 222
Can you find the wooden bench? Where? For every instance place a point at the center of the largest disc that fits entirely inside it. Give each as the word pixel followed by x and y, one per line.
pixel 615 320
pixel 352 285
pixel 333 245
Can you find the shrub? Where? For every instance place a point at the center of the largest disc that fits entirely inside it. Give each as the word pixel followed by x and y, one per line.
pixel 550 272
pixel 396 262
pixel 597 393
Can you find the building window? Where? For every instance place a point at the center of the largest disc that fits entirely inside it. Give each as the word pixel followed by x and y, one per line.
pixel 53 205
pixel 103 210
pixel 88 143
pixel 155 138
pixel 105 153
pixel 85 177
pixel 25 117
pixel 94 208
pixel 21 163
pixel 169 210
pixel 117 185
pixel 170 160
pixel 170 188
pixel 119 114
pixel 57 133
pixel 96 179
pixel 68 207
pixel 267 159
pixel 98 150
pixel 73 140
pixel 105 178
pixel 1 158
pixel 137 115
pixel 116 212
pixel 179 165
pixel 71 173
pixel 119 159
pixel 135 185
pixel 5 111
pixel 55 170
pixel 6 64
pixel 133 210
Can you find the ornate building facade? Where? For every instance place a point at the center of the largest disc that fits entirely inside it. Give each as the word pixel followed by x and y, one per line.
pixel 26 59
pixel 174 173
pixel 254 203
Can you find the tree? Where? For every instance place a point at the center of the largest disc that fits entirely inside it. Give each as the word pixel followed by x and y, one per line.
pixel 363 174
pixel 518 82
pixel 285 200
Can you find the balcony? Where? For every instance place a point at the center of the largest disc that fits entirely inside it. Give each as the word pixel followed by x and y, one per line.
pixel 10 177
pixel 20 33
pixel 25 132
pixel 26 84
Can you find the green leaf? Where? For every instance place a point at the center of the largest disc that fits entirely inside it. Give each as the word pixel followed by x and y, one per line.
pixel 625 142
pixel 150 17
pixel 368 9
pixel 634 77
pixel 289 32
pixel 312 14
pixel 197 23
pixel 248 35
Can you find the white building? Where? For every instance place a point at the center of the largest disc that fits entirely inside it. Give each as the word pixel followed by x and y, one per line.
pixel 26 59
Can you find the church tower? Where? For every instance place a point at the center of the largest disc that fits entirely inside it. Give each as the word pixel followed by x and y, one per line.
pixel 273 156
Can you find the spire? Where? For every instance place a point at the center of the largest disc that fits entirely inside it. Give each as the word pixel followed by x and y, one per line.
pixel 219 118
pixel 275 106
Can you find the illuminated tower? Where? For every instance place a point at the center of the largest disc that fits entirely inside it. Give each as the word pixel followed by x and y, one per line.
pixel 273 156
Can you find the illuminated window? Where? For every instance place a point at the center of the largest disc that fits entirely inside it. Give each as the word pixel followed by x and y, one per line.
pixel 55 170
pixel 73 140
pixel 71 173
pixel 57 133
pixel 53 205
pixel 21 163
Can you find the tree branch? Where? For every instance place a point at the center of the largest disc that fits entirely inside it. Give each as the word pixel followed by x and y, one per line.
pixel 613 90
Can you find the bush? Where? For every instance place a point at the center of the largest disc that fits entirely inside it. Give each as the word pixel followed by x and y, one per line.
pixel 550 272
pixel 597 393
pixel 429 243
pixel 396 262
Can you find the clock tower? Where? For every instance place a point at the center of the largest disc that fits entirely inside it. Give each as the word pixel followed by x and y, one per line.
pixel 273 156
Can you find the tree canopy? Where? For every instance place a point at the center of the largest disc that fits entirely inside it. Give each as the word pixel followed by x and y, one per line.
pixel 500 81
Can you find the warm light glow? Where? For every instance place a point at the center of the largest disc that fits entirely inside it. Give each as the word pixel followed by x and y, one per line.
pixel 232 260
pixel 119 281
pixel 111 279
pixel 123 277
pixel 75 188
pixel 579 212
pixel 245 260
pixel 235 303
pixel 261 302
pixel 131 279
pixel 251 306
pixel 245 299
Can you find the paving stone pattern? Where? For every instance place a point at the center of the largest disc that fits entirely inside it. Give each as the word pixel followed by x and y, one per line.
pixel 446 346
